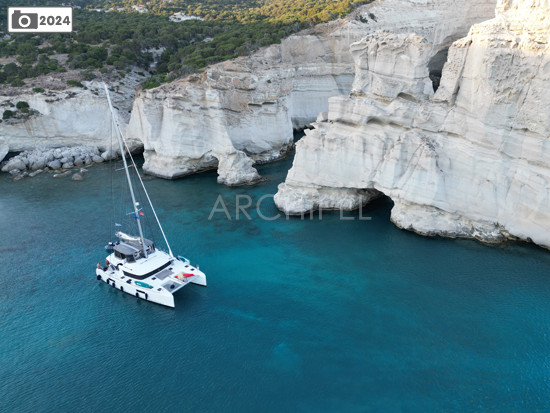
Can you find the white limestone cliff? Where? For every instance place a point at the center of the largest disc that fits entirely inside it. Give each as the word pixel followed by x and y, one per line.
pixel 470 160
pixel 65 118
pixel 249 107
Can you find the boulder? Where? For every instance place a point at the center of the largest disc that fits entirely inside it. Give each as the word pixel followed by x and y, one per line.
pixel 14 163
pixel 38 171
pixel 37 163
pixel 61 175
pixel 108 155
pixel 56 164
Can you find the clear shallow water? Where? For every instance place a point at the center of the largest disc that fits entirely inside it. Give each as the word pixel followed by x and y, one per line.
pixel 299 315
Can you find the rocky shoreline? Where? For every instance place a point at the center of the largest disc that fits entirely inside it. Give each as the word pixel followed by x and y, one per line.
pixel 59 161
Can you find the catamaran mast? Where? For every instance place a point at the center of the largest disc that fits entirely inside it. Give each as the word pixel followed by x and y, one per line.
pixel 148 199
pixel 122 152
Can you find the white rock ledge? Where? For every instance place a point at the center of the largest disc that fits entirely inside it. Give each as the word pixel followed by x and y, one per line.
pixel 173 167
pixel 431 221
pixel 297 200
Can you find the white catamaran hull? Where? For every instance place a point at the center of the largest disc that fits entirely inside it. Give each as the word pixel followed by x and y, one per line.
pixel 158 287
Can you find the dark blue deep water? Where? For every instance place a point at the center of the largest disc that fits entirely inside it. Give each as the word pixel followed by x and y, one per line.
pixel 305 315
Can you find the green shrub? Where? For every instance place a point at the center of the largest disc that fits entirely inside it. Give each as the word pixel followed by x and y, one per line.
pixel 22 105
pixel 151 83
pixel 8 114
pixel 88 75
pixel 37 90
pixel 17 82
pixel 74 83
pixel 11 69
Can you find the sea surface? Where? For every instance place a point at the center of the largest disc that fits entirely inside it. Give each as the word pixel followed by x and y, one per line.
pixel 300 315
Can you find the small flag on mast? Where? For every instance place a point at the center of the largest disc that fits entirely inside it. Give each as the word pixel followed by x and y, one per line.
pixel 141 213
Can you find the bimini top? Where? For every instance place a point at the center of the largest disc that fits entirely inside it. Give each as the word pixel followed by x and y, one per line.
pixel 132 250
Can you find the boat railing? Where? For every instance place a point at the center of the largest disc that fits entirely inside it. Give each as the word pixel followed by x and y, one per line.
pixel 181 258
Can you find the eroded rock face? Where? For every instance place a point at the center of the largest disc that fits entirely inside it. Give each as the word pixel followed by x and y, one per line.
pixel 246 107
pixel 189 125
pixel 4 149
pixel 391 64
pixel 252 104
pixel 60 119
pixel 470 160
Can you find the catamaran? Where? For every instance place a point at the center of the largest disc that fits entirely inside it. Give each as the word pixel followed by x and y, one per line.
pixel 136 266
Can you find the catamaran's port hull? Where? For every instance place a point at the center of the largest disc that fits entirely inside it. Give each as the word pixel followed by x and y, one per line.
pixel 162 297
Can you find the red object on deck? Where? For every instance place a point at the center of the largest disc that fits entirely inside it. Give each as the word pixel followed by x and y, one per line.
pixel 188 275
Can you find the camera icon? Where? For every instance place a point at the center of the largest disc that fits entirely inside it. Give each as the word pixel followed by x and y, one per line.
pixel 24 20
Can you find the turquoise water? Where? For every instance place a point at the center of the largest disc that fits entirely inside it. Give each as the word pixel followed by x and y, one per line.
pixel 300 315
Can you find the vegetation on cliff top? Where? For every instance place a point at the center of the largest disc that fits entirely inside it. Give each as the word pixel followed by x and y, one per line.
pixel 120 34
